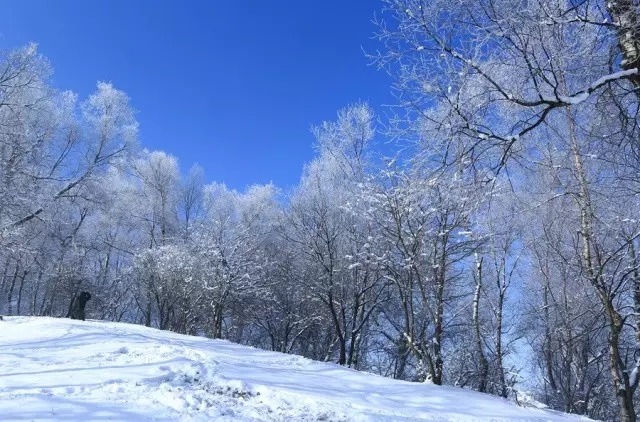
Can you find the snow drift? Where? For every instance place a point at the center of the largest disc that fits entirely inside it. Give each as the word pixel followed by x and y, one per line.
pixel 57 369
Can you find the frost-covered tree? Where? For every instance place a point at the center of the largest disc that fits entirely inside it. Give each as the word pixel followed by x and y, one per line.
pixel 569 339
pixel 231 241
pixel 53 154
pixel 421 225
pixel 190 199
pixel 513 88
pixel 159 175
pixel 325 226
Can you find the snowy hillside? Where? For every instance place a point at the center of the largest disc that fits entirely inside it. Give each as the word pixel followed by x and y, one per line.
pixel 63 370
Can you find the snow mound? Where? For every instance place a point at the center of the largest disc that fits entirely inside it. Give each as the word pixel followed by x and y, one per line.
pixel 63 370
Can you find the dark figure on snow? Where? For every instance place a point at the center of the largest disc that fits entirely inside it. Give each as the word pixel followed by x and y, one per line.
pixel 76 308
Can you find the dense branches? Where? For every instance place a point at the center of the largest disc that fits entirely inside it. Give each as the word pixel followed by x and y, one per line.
pixel 506 228
pixel 547 90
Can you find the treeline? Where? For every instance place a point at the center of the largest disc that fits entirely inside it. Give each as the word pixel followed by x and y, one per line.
pixel 496 250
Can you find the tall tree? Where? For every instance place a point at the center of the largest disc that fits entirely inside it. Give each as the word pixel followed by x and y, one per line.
pixel 493 79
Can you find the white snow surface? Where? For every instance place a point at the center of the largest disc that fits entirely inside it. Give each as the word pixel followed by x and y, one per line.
pixel 61 370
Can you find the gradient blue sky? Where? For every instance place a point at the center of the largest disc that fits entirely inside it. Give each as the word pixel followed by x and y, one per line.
pixel 232 85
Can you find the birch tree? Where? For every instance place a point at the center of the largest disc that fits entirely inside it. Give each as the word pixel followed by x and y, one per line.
pixel 492 79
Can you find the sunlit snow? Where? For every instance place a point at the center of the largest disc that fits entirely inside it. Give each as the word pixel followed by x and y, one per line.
pixel 62 370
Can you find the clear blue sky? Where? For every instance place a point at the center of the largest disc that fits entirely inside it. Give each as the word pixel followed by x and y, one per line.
pixel 232 85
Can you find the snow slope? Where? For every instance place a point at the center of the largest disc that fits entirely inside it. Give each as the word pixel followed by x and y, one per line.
pixel 62 370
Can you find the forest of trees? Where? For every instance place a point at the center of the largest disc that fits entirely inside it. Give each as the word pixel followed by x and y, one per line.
pixel 496 248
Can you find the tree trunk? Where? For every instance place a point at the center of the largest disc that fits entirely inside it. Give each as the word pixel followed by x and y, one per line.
pixel 353 337
pixel 440 279
pixel 499 352
pixel 10 294
pixel 624 15
pixel 147 313
pixel 342 359
pixel 623 390
pixel 217 321
pixel 5 275
pixel 484 365
pixel 548 343
pixel 34 299
pixel 438 331
pixel 24 275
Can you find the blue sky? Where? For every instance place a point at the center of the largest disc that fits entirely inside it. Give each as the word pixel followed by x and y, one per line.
pixel 232 85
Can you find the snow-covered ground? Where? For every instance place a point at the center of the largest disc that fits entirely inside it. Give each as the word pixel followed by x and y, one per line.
pixel 62 370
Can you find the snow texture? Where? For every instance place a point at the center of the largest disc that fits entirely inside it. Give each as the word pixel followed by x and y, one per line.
pixel 584 95
pixel 58 369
